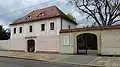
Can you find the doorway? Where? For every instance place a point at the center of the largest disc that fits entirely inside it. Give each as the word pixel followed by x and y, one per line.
pixel 87 44
pixel 30 45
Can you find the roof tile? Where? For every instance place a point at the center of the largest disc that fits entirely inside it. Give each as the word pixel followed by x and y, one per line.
pixel 48 12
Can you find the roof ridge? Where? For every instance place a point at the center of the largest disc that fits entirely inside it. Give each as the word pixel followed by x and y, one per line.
pixel 50 12
pixel 60 11
pixel 64 15
pixel 42 8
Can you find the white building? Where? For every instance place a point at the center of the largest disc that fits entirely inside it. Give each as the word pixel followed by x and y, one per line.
pixel 39 31
pixel 49 30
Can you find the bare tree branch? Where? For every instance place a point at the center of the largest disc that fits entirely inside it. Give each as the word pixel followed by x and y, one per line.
pixel 104 12
pixel 115 21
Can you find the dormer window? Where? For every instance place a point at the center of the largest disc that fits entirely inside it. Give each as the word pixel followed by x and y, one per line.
pixel 28 17
pixel 41 14
pixel 52 9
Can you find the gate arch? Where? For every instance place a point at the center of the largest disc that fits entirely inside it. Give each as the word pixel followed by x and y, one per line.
pixel 85 42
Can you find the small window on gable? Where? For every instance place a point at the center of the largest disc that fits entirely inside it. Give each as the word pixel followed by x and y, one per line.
pixel 52 26
pixel 41 14
pixel 52 9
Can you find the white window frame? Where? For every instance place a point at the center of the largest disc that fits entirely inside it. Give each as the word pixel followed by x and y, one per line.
pixel 66 40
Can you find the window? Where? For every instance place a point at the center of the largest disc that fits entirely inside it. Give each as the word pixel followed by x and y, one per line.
pixel 66 40
pixel 30 28
pixel 20 30
pixel 52 26
pixel 42 27
pixel 28 17
pixel 14 30
pixel 41 14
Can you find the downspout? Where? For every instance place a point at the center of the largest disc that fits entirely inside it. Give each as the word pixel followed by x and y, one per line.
pixel 61 22
pixel 59 35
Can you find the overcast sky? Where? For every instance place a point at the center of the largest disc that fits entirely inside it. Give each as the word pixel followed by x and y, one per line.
pixel 10 10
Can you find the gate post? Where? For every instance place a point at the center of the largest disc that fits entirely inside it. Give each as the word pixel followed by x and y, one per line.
pixel 86 44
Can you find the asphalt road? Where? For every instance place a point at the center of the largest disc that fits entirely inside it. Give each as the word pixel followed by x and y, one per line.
pixel 14 62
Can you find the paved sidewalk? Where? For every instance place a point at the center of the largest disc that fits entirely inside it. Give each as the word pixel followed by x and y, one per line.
pixel 70 59
pixel 36 56
pixel 106 61
pixel 61 58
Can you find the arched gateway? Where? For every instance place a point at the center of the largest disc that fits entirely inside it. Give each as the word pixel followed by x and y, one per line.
pixel 30 45
pixel 86 42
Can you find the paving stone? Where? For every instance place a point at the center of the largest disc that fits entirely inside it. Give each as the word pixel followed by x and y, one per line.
pixel 79 59
pixel 107 61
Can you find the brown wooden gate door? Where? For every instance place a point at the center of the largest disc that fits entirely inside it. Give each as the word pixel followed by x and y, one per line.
pixel 30 45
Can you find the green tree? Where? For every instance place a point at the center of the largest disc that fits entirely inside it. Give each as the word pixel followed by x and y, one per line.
pixel 71 16
pixel 103 12
pixel 4 34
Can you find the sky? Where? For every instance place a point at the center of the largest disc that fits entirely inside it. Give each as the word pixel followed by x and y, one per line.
pixel 10 10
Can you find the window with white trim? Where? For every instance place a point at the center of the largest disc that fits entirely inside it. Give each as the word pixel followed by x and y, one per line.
pixel 42 27
pixel 30 28
pixel 66 40
pixel 14 31
pixel 52 26
pixel 20 30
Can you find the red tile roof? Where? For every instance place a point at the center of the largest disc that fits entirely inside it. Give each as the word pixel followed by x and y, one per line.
pixel 41 14
pixel 90 28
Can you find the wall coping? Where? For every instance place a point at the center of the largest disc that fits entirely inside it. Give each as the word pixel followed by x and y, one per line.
pixel 90 28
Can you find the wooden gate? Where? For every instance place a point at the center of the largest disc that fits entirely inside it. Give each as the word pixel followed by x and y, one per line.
pixel 30 45
pixel 85 42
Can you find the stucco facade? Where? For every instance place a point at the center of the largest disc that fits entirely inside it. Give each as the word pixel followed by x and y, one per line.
pixel 110 42
pixel 107 41
pixel 73 41
pixel 54 40
pixel 47 40
pixel 63 38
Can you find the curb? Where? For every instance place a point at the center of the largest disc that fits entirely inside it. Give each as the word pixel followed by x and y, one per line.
pixel 93 65
pixel 79 64
pixel 22 58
